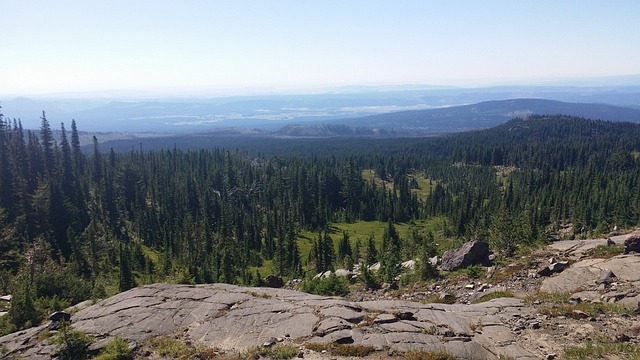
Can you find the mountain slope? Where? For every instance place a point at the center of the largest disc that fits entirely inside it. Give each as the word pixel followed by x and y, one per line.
pixel 487 114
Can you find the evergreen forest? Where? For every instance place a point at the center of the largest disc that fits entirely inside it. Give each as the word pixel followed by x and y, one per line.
pixel 80 225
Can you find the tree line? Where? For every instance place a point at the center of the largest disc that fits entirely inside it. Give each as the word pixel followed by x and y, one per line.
pixel 78 225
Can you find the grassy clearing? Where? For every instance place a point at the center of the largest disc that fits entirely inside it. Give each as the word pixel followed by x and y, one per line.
pixel 425 186
pixel 603 349
pixel 360 231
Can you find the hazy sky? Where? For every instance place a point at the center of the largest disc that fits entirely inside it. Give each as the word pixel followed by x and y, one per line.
pixel 70 46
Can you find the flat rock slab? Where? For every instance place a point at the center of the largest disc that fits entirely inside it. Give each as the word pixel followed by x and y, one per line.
pixel 236 318
pixel 583 275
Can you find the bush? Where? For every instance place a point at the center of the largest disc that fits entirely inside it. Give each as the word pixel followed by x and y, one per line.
pixel 281 352
pixel 117 349
pixel 329 286
pixel 72 344
pixel 368 278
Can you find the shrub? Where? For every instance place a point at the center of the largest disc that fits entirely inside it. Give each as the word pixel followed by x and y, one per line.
pixel 117 349
pixel 329 286
pixel 605 251
pixel 351 350
pixel 428 355
pixel 72 344
pixel 475 271
pixel 280 352
pixel 603 349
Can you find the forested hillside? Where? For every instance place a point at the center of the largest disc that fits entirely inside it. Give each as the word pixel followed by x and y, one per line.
pixel 76 226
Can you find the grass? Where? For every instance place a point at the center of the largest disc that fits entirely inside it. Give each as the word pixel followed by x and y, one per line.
pixel 571 310
pixel 174 349
pixel 605 252
pixel 557 304
pixel 435 299
pixel 342 349
pixel 543 297
pixel 279 352
pixel 603 349
pixel 361 230
pixel 425 187
pixel 493 295
pixel 428 355
pixel 117 349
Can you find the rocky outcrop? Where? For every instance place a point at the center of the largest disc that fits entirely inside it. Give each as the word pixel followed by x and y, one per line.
pixel 472 252
pixel 234 318
pixel 632 243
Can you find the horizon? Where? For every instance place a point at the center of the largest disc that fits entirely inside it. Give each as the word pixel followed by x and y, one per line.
pixel 255 48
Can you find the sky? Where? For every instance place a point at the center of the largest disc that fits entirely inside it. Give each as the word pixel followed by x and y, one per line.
pixel 190 46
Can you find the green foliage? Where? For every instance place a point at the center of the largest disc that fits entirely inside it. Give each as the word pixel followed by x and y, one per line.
pixel 279 352
pixel 170 347
pixel 23 313
pixel 605 251
pixel 475 271
pixel 72 344
pixel 331 285
pixel 117 349
pixel 75 226
pixel 557 304
pixel 368 278
pixel 427 355
pixel 602 349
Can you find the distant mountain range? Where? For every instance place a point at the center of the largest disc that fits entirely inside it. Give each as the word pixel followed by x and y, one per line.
pixel 487 114
pixel 183 114
pixel 400 124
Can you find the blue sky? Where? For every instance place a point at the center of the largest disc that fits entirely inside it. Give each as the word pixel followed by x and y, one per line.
pixel 281 45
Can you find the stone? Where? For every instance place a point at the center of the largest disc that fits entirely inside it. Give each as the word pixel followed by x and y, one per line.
pixel 632 243
pixel 274 281
pixel 60 316
pixel 446 297
pixel 579 314
pixel 545 271
pixel 471 253
pixel 558 266
pixel 610 242
pixel 409 264
pixel 385 319
pixel 344 273
pixel 434 261
pixel 607 277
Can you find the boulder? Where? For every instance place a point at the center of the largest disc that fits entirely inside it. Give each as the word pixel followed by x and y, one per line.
pixel 409 264
pixel 274 281
pixel 472 252
pixel 60 316
pixel 632 243
pixel 559 266
pixel 607 278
